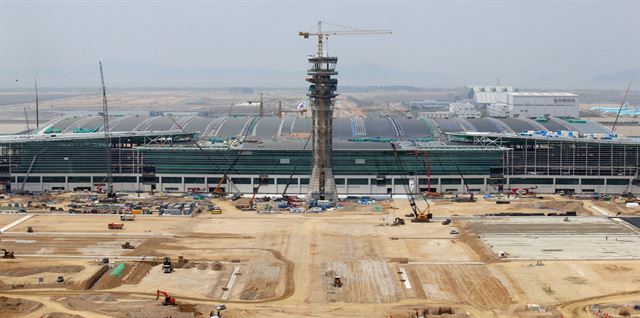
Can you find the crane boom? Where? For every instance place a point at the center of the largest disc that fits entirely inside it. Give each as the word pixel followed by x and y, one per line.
pixel 420 215
pixel 107 136
pixel 624 98
pixel 325 34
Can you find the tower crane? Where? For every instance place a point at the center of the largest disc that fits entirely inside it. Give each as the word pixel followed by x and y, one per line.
pixel 324 35
pixel 282 111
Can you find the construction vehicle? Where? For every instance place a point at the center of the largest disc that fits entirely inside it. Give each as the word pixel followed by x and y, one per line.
pixel 29 229
pixel 111 196
pixel 398 221
pixel 217 192
pixel 166 265
pixel 337 281
pixel 522 191
pixel 263 180
pixel 7 254
pixel 127 246
pixel 127 217
pixel 471 197
pixel 115 226
pixel 218 312
pixel 214 209
pixel 290 200
pixel 168 300
pixel 419 216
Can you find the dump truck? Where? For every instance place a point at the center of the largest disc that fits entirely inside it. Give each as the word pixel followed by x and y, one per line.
pixel 166 265
pixel 115 226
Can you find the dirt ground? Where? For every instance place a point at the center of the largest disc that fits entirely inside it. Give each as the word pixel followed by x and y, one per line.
pixel 287 263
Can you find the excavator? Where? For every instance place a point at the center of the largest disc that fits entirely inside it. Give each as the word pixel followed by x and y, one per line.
pixel 7 254
pixel 128 246
pixel 419 216
pixel 168 300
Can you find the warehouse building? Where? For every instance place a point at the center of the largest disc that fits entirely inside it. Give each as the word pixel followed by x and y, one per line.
pixel 442 155
pixel 531 105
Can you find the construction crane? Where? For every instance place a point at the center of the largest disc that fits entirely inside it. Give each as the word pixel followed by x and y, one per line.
pixel 263 179
pixel 217 190
pixel 26 176
pixel 293 171
pixel 322 92
pixel 260 103
pixel 419 215
pixel 26 118
pixel 624 99
pixel 168 300
pixel 37 105
pixel 471 196
pixel 107 136
pixel 298 109
pixel 324 35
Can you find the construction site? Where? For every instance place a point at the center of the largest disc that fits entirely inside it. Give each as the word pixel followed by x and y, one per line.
pixel 302 213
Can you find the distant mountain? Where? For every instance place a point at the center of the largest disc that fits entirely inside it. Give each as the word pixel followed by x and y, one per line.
pixel 620 76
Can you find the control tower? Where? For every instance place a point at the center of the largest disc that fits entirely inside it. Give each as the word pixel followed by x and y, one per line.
pixel 322 93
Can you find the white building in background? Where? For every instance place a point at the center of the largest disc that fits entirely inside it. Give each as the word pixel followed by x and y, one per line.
pixel 427 104
pixel 484 96
pixel 463 110
pixel 531 104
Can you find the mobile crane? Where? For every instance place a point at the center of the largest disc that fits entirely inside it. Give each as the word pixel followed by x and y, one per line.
pixel 420 216
pixel 218 189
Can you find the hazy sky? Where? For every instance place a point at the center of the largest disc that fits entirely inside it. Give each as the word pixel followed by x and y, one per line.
pixel 536 44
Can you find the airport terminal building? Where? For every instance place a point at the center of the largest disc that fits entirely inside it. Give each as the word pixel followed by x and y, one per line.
pixel 440 155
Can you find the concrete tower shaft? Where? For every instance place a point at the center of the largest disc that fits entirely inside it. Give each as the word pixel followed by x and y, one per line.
pixel 322 91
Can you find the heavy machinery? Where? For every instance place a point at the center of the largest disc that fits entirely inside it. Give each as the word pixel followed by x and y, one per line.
pixel 111 196
pixel 218 311
pixel 115 226
pixel 299 109
pixel 166 265
pixel 290 201
pixel 168 300
pixel 419 216
pixel 263 180
pixel 29 229
pixel 217 192
pixel 522 191
pixel 398 221
pixel 7 254
pixel 127 217
pixel 127 246
pixel 471 197
pixel 337 281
